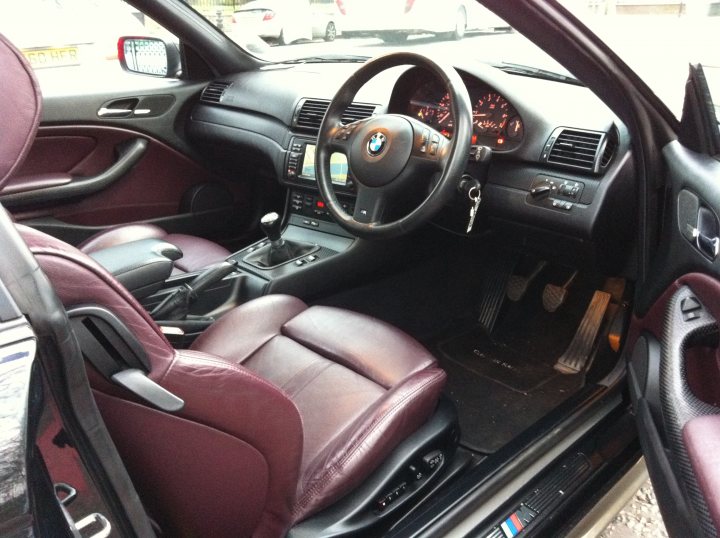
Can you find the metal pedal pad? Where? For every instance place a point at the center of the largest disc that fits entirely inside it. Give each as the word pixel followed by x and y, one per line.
pixel 575 358
pixel 493 292
pixel 518 285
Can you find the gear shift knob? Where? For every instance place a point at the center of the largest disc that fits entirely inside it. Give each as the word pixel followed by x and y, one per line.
pixel 270 224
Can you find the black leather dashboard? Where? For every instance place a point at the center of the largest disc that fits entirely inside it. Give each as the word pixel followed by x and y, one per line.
pixel 570 172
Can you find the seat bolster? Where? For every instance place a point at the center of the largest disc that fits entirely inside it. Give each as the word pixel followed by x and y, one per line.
pixel 20 109
pixel 358 451
pixel 197 252
pixel 230 398
pixel 120 234
pixel 243 330
pixel 368 346
pixel 78 279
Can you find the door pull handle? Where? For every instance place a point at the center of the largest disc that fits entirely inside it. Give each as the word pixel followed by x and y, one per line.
pixel 710 246
pixel 105 112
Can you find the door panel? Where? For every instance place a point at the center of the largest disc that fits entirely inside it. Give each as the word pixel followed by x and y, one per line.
pixel 165 187
pixel 674 367
pixel 172 185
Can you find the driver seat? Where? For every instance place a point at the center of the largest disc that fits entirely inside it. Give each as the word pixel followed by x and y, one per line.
pixel 286 407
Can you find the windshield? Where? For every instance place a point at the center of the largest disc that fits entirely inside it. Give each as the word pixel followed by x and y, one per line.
pixel 657 38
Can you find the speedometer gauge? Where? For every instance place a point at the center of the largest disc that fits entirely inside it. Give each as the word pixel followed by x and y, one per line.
pixel 490 114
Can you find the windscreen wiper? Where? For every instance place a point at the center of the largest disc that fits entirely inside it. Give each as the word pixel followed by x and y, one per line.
pixel 536 72
pixel 328 59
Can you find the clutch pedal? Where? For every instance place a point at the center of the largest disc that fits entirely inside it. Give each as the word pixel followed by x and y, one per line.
pixel 518 285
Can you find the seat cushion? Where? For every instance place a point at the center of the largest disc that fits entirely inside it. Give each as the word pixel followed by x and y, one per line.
pixel 197 252
pixel 361 386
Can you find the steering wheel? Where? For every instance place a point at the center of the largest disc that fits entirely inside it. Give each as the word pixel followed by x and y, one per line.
pixel 388 153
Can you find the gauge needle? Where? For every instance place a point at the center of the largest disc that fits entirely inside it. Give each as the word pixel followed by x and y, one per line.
pixel 442 120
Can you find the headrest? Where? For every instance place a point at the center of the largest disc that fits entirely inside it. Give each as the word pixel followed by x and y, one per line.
pixel 20 105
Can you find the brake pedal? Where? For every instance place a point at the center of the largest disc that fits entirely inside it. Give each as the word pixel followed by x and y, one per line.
pixel 575 359
pixel 518 285
pixel 554 296
pixel 493 292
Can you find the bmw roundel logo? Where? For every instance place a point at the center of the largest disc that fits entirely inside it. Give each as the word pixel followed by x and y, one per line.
pixel 376 144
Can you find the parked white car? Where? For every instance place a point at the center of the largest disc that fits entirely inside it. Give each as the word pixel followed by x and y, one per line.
pixel 402 18
pixel 283 21
pixel 288 21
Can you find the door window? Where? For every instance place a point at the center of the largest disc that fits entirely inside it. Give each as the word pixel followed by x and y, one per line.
pixel 72 44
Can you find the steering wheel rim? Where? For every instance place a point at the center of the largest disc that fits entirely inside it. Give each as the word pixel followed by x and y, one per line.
pixel 380 176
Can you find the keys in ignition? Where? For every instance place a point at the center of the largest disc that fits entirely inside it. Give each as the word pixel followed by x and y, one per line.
pixel 475 199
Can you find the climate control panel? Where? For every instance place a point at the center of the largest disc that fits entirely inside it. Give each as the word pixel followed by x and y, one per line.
pixel 312 208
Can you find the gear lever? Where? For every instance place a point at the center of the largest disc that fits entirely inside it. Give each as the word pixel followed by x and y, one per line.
pixel 280 251
pixel 270 224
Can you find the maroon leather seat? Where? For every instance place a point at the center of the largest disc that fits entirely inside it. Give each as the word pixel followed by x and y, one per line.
pixel 197 252
pixel 287 407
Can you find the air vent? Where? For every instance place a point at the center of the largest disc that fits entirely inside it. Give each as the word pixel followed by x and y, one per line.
pixel 611 144
pixel 357 111
pixel 214 91
pixel 311 112
pixel 573 148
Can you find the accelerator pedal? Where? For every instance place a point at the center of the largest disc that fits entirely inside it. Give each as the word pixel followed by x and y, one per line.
pixel 575 358
pixel 493 291
pixel 518 285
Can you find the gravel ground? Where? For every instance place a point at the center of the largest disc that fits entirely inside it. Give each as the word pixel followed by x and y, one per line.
pixel 640 517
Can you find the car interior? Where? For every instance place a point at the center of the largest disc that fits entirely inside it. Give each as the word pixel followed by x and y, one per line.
pixel 309 299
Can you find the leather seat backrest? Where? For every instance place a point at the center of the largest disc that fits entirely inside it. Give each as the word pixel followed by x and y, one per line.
pixel 228 462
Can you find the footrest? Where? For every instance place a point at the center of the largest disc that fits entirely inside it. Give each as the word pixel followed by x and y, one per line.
pixel 493 292
pixel 575 358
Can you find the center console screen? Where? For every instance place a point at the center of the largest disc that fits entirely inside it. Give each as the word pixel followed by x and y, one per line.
pixel 338 166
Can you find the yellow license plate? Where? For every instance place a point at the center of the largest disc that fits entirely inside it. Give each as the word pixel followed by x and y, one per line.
pixel 40 58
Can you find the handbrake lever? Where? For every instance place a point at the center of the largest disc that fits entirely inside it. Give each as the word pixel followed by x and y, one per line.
pixel 177 304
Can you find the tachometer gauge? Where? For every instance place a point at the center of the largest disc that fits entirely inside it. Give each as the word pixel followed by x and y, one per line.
pixel 444 117
pixel 490 114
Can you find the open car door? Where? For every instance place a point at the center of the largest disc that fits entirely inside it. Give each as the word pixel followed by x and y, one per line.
pixel 673 353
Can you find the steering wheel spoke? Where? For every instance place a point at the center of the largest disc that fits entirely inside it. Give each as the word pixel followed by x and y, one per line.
pixel 429 145
pixel 370 205
pixel 342 135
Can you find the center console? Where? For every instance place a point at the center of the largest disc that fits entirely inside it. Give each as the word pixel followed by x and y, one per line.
pixel 305 206
pixel 305 254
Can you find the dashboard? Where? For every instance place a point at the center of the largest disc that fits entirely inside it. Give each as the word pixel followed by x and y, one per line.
pixel 561 163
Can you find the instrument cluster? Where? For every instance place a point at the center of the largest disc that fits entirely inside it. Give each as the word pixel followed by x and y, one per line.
pixel 496 123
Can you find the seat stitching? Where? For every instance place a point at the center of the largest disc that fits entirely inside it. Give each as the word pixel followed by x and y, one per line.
pixel 310 380
pixel 209 359
pixel 333 469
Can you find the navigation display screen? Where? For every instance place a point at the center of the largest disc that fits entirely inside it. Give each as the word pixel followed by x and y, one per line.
pixel 338 166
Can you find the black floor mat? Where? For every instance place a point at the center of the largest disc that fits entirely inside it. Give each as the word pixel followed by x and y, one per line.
pixel 477 353
pixel 491 414
pixel 504 383
pixel 498 391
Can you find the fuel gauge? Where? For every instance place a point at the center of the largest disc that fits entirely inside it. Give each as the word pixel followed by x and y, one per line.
pixel 515 128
